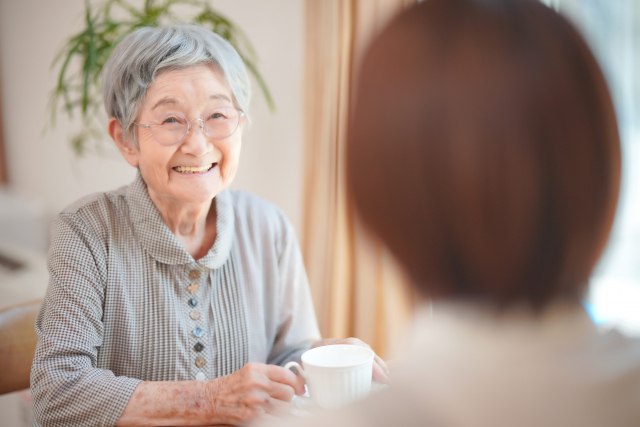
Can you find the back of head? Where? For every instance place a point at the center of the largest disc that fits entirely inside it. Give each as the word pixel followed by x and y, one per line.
pixel 483 150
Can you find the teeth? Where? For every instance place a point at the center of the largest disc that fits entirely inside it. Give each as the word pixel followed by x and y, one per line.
pixel 190 169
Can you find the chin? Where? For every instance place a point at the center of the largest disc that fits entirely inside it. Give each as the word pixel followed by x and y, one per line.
pixel 195 198
pixel 198 195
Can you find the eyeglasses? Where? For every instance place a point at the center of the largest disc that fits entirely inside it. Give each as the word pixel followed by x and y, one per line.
pixel 171 129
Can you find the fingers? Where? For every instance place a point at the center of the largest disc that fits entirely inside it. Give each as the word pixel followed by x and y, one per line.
pixel 244 395
pixel 379 374
pixel 275 381
pixel 280 391
pixel 355 341
pixel 285 376
pixel 299 387
pixel 263 403
pixel 322 343
pixel 383 365
pixel 278 407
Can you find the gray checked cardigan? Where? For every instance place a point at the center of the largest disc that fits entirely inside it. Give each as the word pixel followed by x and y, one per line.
pixel 126 303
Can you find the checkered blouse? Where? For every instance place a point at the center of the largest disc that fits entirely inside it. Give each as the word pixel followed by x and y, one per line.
pixel 126 303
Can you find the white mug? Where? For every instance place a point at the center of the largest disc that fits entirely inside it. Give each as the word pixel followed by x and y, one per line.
pixel 336 375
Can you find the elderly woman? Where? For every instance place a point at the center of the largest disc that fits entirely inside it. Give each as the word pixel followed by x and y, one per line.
pixel 488 127
pixel 173 300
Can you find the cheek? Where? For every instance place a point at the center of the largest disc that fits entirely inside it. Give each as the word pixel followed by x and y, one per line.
pixel 230 159
pixel 153 162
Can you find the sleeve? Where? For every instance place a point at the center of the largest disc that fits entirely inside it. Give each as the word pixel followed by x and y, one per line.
pixel 297 325
pixel 67 387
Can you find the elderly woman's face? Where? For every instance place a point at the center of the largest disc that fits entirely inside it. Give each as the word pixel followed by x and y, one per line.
pixel 191 92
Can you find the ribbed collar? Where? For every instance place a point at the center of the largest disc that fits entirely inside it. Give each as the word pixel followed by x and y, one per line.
pixel 161 244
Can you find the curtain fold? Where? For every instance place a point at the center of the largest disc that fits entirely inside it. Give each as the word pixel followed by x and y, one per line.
pixel 4 173
pixel 357 288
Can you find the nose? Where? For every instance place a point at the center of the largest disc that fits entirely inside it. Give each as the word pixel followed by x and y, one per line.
pixel 196 142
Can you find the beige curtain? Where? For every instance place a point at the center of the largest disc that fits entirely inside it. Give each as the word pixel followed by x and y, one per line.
pixel 357 289
pixel 4 173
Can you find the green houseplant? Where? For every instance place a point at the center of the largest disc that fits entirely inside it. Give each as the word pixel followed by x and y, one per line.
pixel 82 57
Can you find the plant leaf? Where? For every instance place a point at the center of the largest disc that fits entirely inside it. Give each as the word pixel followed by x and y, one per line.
pixel 79 91
pixel 263 85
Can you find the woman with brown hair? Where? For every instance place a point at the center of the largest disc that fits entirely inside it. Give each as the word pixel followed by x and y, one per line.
pixel 484 153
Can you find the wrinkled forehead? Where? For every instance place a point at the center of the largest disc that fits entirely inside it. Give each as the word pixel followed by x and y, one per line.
pixel 198 84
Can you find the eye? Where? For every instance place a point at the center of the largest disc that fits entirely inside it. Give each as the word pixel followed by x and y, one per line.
pixel 216 115
pixel 169 120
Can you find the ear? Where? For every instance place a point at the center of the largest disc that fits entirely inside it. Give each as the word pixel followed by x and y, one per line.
pixel 116 131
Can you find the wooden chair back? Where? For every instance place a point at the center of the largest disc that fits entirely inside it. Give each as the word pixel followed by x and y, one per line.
pixel 17 345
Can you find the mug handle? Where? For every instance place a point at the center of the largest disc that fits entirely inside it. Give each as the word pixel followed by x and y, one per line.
pixel 298 367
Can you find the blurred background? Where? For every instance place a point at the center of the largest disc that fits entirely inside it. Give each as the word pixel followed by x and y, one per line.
pixel 309 52
pixel 612 28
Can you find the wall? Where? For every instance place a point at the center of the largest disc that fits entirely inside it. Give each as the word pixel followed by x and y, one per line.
pixel 42 164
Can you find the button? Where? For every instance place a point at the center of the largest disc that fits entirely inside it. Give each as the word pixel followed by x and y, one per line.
pixel 200 376
pixel 198 332
pixel 193 288
pixel 192 302
pixel 194 314
pixel 200 362
pixel 195 274
pixel 198 347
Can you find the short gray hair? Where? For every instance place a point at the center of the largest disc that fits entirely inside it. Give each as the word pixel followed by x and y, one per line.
pixel 146 52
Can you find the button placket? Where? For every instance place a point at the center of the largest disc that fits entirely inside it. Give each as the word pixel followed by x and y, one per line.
pixel 197 332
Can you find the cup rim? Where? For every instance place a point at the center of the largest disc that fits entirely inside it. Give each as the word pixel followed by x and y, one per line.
pixel 350 365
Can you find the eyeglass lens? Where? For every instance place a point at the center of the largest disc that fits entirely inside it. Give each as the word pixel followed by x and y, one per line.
pixel 219 123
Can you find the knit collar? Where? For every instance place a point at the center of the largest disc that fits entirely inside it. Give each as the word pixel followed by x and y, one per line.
pixel 161 244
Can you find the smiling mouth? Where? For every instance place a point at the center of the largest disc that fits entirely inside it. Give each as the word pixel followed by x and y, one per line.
pixel 193 169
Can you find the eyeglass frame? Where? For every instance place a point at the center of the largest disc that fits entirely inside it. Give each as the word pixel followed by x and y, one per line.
pixel 201 126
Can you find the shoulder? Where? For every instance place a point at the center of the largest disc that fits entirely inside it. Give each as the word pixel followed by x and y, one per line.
pixel 255 211
pixel 96 203
pixel 611 345
pixel 93 203
pixel 94 214
pixel 261 224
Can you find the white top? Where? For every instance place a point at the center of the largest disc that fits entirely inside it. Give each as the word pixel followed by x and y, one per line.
pixel 466 366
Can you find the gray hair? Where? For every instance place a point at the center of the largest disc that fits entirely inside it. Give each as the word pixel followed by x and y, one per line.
pixel 146 52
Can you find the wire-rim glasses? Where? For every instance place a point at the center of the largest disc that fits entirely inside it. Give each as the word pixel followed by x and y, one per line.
pixel 172 128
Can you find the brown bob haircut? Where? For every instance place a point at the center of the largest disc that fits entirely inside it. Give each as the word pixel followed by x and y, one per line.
pixel 483 151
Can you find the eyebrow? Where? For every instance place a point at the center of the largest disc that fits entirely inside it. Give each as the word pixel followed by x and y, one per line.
pixel 165 101
pixel 220 97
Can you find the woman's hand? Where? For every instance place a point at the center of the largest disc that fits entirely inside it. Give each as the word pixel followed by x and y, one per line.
pixel 380 370
pixel 253 391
